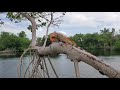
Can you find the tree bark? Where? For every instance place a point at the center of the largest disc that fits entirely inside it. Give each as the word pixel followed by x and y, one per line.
pixel 77 72
pixel 32 20
pixel 74 53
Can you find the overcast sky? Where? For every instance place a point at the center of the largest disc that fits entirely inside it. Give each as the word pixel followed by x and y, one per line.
pixel 73 23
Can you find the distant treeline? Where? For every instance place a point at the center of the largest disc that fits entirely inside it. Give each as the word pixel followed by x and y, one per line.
pixel 19 42
pixel 106 39
pixel 13 42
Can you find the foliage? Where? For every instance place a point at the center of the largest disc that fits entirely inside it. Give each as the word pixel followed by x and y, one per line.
pixel 22 43
pixel 117 44
pixel 11 41
pixel 105 39
pixel 22 34
pixel 42 18
pixel 40 41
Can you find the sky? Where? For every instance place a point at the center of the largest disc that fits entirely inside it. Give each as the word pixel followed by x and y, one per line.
pixel 73 23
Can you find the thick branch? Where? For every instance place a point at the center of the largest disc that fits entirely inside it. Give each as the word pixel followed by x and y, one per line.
pixel 32 20
pixel 48 29
pixel 74 53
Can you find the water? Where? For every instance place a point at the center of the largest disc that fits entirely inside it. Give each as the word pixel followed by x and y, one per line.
pixel 63 66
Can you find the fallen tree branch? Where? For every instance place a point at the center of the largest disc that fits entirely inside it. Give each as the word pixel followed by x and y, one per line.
pixel 74 53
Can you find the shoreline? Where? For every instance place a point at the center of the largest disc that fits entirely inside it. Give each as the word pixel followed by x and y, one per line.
pixel 8 53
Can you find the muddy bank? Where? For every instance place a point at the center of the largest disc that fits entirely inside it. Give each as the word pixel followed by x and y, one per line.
pixel 8 53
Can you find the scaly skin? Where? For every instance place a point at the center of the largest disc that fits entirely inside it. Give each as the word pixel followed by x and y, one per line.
pixel 56 37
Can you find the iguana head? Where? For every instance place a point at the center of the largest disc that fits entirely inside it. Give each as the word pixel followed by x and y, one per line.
pixel 53 37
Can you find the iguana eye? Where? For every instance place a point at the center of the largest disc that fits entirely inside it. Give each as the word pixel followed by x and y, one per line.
pixel 53 37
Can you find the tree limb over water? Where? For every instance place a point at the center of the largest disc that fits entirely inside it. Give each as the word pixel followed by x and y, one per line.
pixel 74 53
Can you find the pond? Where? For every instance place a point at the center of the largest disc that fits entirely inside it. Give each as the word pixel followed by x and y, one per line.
pixel 63 66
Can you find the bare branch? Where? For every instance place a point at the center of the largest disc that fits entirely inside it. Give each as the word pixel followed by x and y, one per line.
pixel 54 20
pixel 51 21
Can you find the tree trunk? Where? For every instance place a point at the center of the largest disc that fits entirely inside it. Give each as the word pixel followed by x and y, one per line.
pixel 32 20
pixel 74 53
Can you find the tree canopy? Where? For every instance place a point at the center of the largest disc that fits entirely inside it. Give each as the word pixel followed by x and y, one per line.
pixel 105 39
pixel 11 41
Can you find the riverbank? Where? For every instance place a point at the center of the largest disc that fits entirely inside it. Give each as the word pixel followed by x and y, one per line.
pixel 11 53
pixel 8 52
pixel 98 51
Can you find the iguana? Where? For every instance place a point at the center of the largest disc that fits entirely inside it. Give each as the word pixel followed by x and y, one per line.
pixel 56 37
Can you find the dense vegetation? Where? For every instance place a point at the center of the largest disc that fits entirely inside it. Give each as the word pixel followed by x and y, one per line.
pixel 14 42
pixel 106 39
pixel 18 42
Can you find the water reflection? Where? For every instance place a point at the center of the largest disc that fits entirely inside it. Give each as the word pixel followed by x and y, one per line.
pixel 103 52
pixel 63 66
